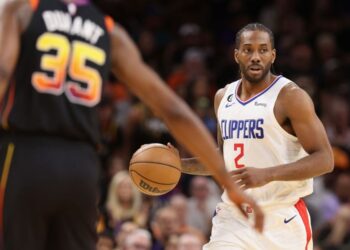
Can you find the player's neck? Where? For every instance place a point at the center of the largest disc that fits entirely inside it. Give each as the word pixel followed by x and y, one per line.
pixel 249 89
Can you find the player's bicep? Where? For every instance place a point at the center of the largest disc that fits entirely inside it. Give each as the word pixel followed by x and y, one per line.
pixel 128 65
pixel 123 51
pixel 306 124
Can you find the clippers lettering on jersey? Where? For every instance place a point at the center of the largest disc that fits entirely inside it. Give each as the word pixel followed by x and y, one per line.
pixel 242 129
pixel 76 26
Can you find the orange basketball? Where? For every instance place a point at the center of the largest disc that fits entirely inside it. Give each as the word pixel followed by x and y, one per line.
pixel 155 169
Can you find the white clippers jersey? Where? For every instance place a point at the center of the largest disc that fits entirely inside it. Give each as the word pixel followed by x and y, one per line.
pixel 253 137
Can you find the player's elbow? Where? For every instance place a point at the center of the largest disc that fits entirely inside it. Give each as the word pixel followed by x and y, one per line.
pixel 4 73
pixel 328 161
pixel 173 112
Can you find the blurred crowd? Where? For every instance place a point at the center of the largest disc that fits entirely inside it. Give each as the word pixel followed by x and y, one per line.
pixel 190 44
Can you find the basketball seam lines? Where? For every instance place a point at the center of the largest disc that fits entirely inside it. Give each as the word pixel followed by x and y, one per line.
pixel 154 162
pixel 152 180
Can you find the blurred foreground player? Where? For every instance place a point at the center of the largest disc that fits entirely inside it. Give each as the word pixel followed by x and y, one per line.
pixel 54 58
pixel 273 143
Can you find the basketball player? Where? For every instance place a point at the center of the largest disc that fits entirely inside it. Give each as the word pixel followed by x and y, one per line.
pixel 54 58
pixel 273 144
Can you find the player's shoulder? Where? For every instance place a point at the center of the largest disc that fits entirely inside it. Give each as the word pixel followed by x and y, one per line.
pixel 220 93
pixel 294 98
pixel 20 9
pixel 14 4
pixel 292 92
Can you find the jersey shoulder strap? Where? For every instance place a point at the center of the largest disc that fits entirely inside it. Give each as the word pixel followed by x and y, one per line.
pixel 110 24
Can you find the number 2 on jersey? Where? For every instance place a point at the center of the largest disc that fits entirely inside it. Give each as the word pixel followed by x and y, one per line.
pixel 240 148
pixel 71 58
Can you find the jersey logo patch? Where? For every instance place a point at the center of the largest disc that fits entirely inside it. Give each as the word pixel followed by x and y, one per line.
pixel 229 105
pixel 260 104
pixel 289 220
pixel 229 100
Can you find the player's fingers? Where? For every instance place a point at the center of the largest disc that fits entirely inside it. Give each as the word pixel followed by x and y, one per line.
pixel 259 218
pixel 236 177
pixel 237 171
pixel 258 215
pixel 234 173
pixel 240 184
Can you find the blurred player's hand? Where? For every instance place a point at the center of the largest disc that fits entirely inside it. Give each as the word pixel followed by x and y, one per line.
pixel 239 198
pixel 249 177
pixel 172 148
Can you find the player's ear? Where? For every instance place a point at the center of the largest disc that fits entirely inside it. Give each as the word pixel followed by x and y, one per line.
pixel 273 55
pixel 235 54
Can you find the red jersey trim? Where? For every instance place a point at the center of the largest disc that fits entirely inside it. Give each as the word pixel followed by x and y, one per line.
pixel 3 184
pixel 9 105
pixel 301 207
pixel 110 24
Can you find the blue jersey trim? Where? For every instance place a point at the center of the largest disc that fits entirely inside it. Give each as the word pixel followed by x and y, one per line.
pixel 257 95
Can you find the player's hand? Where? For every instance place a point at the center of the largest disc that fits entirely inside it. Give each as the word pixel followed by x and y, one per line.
pixel 239 198
pixel 249 177
pixel 173 149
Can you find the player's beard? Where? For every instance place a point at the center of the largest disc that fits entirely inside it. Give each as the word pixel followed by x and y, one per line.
pixel 255 79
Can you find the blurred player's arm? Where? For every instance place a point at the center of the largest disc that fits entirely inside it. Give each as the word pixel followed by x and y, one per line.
pixel 192 165
pixel 300 110
pixel 181 121
pixel 13 17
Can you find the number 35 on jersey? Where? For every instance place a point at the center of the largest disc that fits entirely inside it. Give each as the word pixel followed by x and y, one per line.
pixel 70 59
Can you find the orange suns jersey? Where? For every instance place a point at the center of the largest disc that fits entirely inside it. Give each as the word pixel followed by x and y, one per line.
pixel 62 65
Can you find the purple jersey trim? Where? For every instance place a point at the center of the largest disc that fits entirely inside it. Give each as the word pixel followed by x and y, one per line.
pixel 257 95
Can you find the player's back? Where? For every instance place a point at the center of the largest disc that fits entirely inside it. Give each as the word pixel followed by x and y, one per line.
pixel 252 137
pixel 62 64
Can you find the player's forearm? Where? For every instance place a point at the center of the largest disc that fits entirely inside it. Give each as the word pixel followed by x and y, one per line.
pixel 193 166
pixel 4 76
pixel 191 133
pixel 315 164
